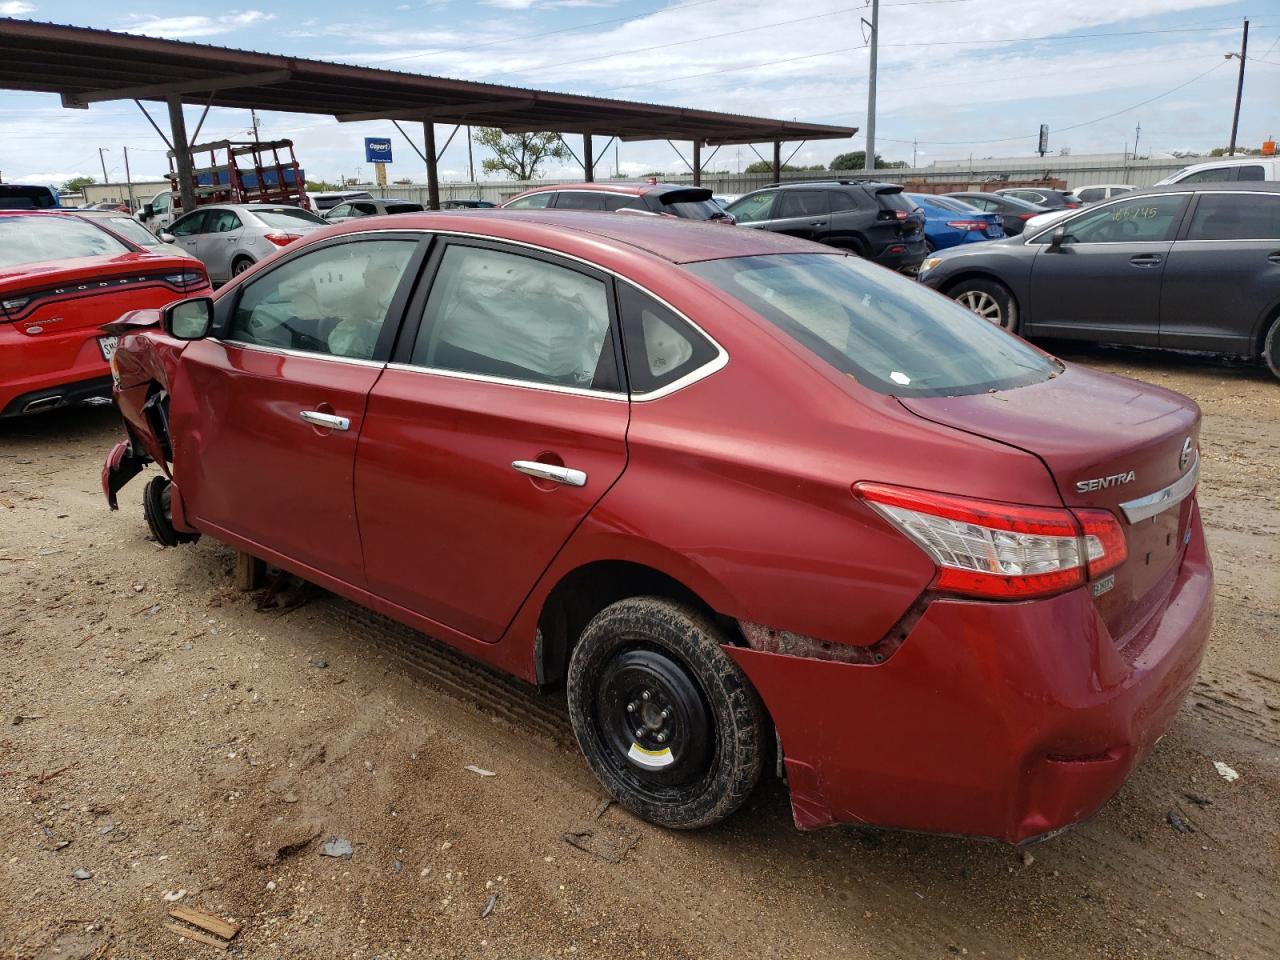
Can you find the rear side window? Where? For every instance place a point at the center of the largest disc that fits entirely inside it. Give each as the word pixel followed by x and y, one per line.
pixel 1251 172
pixel 34 239
pixel 533 201
pixel 1212 175
pixel 802 203
pixel 753 208
pixel 1091 194
pixel 981 203
pixel 842 201
pixel 579 200
pixel 222 221
pixel 404 207
pixel 661 348
pixel 622 201
pixel 1235 216
pixel 889 334
pixel 502 314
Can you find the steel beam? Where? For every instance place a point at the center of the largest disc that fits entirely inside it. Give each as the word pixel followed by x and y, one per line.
pixel 453 111
pixel 588 160
pixel 181 152
pixel 429 148
pixel 697 163
pixel 157 91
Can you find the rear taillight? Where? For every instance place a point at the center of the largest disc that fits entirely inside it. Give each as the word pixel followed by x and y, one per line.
pixel 12 306
pixel 1001 550
pixel 1026 216
pixel 979 225
pixel 283 239
pixel 187 278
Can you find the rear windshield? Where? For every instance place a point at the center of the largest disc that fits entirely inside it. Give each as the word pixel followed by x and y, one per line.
pixel 895 200
pixel 691 204
pixel 888 333
pixel 15 196
pixel 36 239
pixel 287 217
pixel 948 203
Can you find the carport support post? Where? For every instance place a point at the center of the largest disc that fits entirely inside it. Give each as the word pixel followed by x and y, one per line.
pixel 777 161
pixel 697 163
pixel 433 181
pixel 588 159
pixel 181 151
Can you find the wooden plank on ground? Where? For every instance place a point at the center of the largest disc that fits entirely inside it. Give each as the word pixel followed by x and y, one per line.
pixel 250 571
pixel 206 921
pixel 196 935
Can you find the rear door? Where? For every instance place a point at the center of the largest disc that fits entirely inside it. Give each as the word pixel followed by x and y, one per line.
pixel 267 413
pixel 1223 275
pixel 802 213
pixel 1103 283
pixel 499 426
pixel 217 241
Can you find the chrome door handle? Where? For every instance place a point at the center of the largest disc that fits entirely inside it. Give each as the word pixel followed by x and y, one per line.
pixel 319 419
pixel 1145 259
pixel 548 471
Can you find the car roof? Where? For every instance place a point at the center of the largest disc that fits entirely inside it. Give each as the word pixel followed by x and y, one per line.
pixel 1246 186
pixel 614 186
pixel 1228 162
pixel 669 238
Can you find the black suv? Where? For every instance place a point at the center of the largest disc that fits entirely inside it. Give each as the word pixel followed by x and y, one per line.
pixel 874 220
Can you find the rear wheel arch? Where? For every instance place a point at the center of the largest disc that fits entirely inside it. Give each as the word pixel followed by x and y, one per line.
pixel 1269 342
pixel 588 589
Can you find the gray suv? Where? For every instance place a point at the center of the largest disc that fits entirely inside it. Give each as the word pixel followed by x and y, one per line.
pixel 1183 267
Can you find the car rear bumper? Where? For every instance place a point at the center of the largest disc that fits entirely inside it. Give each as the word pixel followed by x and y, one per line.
pixel 1010 721
pixel 57 394
pixel 53 370
pixel 902 254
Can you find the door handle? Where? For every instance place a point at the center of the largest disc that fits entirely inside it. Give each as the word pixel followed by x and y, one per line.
pixel 818 223
pixel 329 420
pixel 549 471
pixel 1274 257
pixel 1145 259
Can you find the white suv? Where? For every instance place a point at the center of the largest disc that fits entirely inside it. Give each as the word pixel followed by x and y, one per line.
pixel 1228 170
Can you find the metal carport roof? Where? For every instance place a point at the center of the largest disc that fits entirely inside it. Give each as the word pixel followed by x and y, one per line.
pixel 89 66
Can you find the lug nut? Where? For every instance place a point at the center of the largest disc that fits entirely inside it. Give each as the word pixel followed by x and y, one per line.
pixel 639 734
pixel 631 708
pixel 662 738
pixel 644 695
pixel 665 714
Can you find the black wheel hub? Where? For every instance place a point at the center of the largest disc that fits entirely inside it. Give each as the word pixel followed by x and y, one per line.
pixel 655 723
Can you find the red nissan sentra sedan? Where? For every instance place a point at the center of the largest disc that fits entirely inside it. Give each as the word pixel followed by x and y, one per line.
pixel 61 279
pixel 721 483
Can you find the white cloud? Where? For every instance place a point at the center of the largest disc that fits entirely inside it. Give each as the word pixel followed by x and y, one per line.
pixel 15 8
pixel 182 28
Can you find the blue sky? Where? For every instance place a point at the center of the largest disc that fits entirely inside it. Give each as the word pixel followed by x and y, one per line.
pixel 959 76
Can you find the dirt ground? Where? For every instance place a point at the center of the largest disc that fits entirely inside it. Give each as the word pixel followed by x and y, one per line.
pixel 162 734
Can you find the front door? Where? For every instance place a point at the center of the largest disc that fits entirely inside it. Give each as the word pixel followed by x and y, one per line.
pixel 1103 282
pixel 267 414
pixel 802 213
pixel 187 232
pixel 1223 274
pixel 486 445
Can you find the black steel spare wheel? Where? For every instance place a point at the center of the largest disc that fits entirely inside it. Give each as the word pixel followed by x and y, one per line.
pixel 667 721
pixel 157 506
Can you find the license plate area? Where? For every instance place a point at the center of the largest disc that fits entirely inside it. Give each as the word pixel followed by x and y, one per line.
pixel 108 347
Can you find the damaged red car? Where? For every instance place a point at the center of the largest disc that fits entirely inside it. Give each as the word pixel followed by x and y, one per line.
pixel 61 279
pixel 753 501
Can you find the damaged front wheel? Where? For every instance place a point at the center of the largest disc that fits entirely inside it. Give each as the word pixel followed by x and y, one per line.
pixel 157 505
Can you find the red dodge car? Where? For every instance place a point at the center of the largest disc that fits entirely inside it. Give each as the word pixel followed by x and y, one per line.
pixel 61 279
pixel 724 484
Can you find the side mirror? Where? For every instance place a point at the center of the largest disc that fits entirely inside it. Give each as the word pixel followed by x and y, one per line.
pixel 189 319
pixel 148 211
pixel 166 237
pixel 1055 241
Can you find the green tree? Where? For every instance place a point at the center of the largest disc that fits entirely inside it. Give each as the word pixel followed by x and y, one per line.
pixel 519 155
pixel 857 159
pixel 321 186
pixel 764 166
pixel 76 184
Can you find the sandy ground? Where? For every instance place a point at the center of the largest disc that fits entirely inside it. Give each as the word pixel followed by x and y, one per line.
pixel 163 734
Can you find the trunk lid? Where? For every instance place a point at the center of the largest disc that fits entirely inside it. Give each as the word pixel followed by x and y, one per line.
pixel 1106 441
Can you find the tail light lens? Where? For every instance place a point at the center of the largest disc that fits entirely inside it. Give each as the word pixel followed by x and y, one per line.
pixel 1025 216
pixel 1000 550
pixel 283 239
pixel 979 225
pixel 188 278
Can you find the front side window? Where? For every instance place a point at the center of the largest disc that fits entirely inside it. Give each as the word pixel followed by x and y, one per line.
pixel 331 301
pixel 1235 216
pixel 341 210
pixel 190 225
pixel 754 207
pixel 660 346
pixel 161 203
pixel 532 202
pixel 507 315
pixel 888 333
pixel 40 237
pixel 131 229
pixel 1140 220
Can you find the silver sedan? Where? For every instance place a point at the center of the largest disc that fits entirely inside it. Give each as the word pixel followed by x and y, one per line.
pixel 231 237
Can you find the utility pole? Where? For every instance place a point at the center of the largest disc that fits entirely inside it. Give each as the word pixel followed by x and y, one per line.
pixel 128 182
pixel 870 162
pixel 103 161
pixel 1235 119
pixel 253 115
pixel 1136 134
pixel 914 144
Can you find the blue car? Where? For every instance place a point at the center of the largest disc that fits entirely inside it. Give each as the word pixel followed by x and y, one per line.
pixel 949 223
